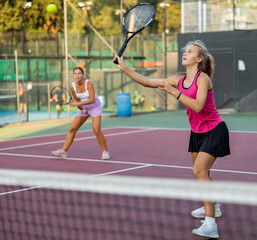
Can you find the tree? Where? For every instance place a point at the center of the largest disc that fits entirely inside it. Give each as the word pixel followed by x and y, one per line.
pixel 10 15
pixel 103 15
pixel 14 18
pixel 173 16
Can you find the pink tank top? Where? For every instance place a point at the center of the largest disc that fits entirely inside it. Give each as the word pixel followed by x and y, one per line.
pixel 209 117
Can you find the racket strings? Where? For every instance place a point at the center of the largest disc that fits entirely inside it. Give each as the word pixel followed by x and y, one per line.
pixel 61 95
pixel 139 17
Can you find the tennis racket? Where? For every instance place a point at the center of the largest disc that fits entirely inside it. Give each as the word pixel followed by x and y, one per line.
pixel 134 21
pixel 62 95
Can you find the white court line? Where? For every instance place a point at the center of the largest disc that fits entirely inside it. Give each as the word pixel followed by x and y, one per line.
pixel 212 170
pixel 77 139
pixel 57 134
pixel 184 129
pixel 72 159
pixel 65 133
pixel 41 136
pixel 21 190
pixel 122 127
pixel 92 176
pixel 130 163
pixel 142 165
pixel 146 129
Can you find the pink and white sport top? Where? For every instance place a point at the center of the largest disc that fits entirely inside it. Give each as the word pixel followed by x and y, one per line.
pixel 209 117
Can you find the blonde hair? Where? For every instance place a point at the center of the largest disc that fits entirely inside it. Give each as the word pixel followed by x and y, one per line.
pixel 207 64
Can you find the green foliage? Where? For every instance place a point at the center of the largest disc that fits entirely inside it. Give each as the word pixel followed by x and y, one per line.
pixel 10 19
pixel 35 19
pixel 106 21
pixel 173 16
pixel 103 15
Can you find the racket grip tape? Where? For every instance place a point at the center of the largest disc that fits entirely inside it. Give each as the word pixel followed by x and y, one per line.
pixel 120 52
pixel 116 61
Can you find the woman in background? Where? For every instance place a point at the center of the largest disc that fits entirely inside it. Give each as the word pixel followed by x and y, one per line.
pixel 22 99
pixel 84 96
pixel 59 98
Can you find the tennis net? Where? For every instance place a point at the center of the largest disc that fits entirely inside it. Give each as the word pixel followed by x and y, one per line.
pixel 54 205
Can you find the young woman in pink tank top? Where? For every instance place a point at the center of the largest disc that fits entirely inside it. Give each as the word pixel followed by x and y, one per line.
pixel 209 137
pixel 84 96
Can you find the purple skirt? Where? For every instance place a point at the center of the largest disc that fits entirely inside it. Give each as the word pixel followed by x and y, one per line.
pixel 93 110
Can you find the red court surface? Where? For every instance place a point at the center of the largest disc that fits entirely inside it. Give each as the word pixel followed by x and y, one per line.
pixel 146 152
pixel 150 152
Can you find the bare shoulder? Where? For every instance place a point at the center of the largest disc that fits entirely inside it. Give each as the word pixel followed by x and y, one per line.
pixel 90 84
pixel 71 87
pixel 204 79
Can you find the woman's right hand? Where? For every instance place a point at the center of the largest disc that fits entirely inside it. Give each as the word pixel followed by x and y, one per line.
pixel 75 104
pixel 120 63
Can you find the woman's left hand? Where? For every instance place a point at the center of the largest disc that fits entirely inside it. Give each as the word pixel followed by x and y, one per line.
pixel 75 104
pixel 168 88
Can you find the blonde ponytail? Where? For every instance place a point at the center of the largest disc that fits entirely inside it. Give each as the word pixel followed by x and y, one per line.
pixel 207 65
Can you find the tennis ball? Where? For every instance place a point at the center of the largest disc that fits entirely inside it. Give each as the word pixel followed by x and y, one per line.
pixel 51 8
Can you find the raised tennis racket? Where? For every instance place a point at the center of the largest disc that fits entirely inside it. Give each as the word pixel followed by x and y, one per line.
pixel 62 95
pixel 134 21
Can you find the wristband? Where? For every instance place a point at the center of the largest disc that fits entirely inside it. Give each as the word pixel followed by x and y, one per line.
pixel 179 95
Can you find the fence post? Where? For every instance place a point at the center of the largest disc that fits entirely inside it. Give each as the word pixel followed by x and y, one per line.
pixel 17 85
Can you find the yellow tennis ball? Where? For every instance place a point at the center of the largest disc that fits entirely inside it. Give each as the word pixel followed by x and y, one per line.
pixel 51 8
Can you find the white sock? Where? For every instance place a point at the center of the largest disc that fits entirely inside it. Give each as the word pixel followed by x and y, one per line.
pixel 210 220
pixel 217 205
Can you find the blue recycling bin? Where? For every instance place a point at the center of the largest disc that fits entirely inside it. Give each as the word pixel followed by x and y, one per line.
pixel 124 106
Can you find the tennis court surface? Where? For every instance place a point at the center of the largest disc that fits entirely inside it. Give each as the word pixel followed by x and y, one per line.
pixel 145 191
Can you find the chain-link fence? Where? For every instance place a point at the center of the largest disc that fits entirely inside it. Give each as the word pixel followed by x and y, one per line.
pixel 41 61
pixel 44 63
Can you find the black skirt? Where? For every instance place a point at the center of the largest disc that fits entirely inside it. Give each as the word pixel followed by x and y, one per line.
pixel 23 98
pixel 214 142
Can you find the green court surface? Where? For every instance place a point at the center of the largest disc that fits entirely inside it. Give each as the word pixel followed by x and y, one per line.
pixel 171 119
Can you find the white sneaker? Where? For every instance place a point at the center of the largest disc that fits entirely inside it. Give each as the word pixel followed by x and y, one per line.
pixel 200 212
pixel 60 153
pixel 207 230
pixel 105 155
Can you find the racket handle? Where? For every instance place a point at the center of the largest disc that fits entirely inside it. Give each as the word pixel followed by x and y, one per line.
pixel 120 52
pixel 80 108
pixel 116 61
